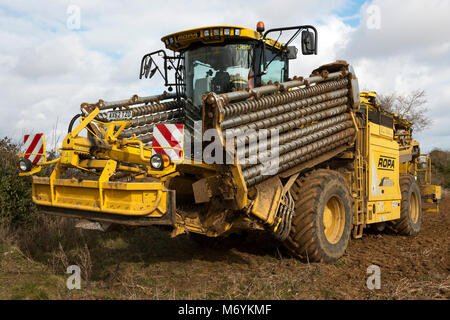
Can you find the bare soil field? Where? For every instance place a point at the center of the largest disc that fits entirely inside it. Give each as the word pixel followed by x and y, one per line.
pixel 147 264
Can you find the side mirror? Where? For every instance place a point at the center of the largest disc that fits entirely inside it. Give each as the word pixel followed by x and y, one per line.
pixel 308 43
pixel 292 52
pixel 152 73
pixel 146 66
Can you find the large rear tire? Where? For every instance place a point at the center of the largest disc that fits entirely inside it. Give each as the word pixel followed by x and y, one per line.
pixel 322 222
pixel 410 209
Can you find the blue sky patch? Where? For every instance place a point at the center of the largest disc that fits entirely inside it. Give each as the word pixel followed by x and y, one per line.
pixel 350 12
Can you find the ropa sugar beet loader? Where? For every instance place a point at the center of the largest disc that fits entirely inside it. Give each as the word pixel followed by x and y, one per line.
pixel 332 162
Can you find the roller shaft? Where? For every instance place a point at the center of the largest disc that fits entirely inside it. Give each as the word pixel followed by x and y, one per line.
pixel 148 126
pixel 103 105
pixel 284 108
pixel 242 107
pixel 149 109
pixel 156 107
pixel 273 88
pixel 295 142
pixel 156 117
pixel 294 118
pixel 312 153
pixel 296 134
pixel 298 153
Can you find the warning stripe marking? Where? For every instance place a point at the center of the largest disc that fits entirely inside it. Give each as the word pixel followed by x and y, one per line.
pixel 168 139
pixel 34 147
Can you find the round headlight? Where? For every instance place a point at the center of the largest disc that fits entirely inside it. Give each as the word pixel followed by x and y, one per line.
pixel 160 161
pixel 24 165
pixel 157 162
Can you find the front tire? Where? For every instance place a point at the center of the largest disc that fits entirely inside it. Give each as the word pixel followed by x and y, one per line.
pixel 322 221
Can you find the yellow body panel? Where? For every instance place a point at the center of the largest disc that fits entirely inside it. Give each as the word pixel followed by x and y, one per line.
pixel 431 193
pixel 406 167
pixel 267 201
pixel 381 211
pixel 135 199
pixel 384 195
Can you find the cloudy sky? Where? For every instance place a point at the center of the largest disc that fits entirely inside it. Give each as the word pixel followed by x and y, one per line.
pixel 54 55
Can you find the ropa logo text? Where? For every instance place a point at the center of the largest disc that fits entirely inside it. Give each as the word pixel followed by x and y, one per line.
pixel 386 163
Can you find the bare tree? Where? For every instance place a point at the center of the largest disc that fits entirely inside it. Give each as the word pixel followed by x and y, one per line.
pixel 412 107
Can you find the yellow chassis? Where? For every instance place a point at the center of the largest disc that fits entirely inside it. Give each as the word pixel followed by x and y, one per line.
pixel 114 200
pixel 132 203
pixel 151 202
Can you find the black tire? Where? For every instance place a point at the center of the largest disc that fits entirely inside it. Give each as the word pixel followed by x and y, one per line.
pixel 410 208
pixel 307 239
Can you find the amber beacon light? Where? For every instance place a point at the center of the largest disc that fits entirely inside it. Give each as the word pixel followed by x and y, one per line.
pixel 260 27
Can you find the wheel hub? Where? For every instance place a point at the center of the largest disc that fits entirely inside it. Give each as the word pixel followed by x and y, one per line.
pixel 414 208
pixel 334 219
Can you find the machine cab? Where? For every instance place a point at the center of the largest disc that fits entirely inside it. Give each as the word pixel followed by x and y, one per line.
pixel 223 59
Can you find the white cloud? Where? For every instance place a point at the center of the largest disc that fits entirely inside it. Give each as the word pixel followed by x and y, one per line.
pixel 410 51
pixel 409 26
pixel 47 70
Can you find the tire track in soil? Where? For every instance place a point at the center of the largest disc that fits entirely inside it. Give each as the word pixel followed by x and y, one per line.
pixel 412 267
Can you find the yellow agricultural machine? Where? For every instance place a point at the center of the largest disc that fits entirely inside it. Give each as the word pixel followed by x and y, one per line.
pixel 240 145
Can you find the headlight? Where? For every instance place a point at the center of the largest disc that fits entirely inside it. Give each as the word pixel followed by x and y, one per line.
pixel 159 161
pixel 24 165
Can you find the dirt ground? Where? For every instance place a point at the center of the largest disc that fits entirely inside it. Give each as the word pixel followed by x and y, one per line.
pixel 148 264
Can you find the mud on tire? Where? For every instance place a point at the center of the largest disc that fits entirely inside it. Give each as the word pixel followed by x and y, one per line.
pixel 315 194
pixel 410 209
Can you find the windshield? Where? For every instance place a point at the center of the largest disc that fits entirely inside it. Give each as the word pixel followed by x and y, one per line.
pixel 219 69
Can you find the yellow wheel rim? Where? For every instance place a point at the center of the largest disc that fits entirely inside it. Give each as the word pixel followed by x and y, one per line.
pixel 414 207
pixel 334 219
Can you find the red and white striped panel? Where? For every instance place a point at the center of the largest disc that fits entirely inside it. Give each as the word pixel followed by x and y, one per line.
pixel 168 139
pixel 33 146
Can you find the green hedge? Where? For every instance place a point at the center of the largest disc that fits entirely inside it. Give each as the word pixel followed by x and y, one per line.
pixel 16 205
pixel 440 167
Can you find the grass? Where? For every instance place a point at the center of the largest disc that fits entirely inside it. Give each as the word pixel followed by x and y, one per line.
pixel 329 294
pixel 340 263
pixel 140 263
pixel 32 289
pixel 145 263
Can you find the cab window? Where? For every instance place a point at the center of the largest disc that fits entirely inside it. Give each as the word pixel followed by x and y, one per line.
pixel 221 69
pixel 276 70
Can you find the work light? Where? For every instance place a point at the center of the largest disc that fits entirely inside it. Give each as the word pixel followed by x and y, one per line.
pixel 24 165
pixel 159 161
